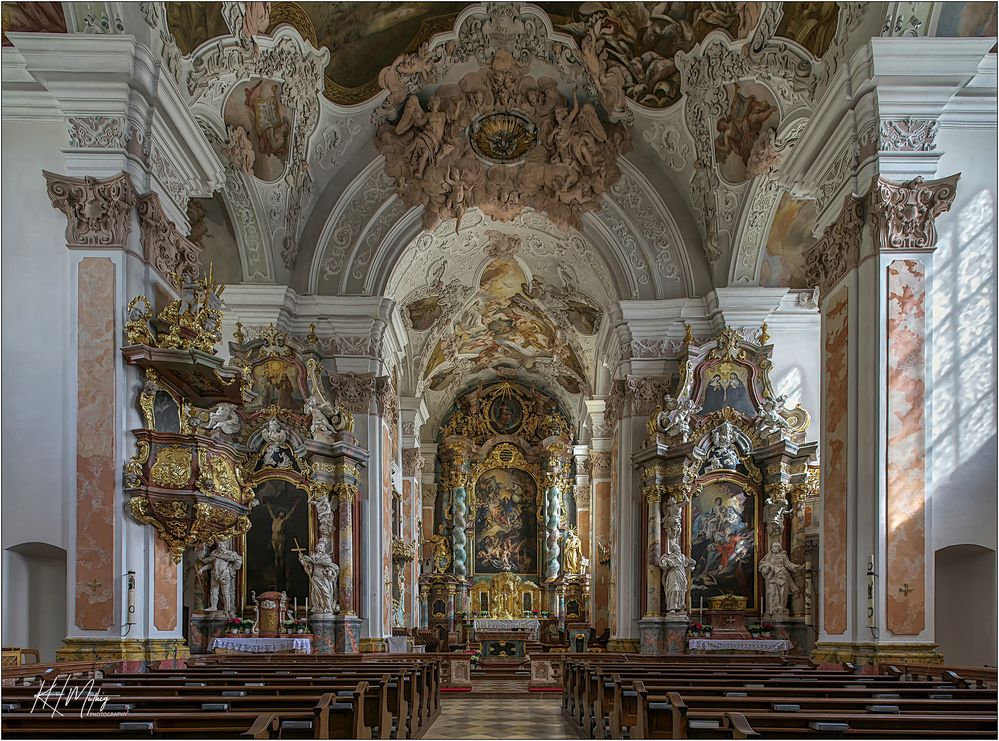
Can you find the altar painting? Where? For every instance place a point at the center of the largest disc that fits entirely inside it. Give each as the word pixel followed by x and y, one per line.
pixel 506 522
pixel 277 523
pixel 278 382
pixel 723 542
pixel 725 384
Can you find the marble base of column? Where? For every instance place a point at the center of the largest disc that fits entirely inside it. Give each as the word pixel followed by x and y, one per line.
pixel 324 634
pixel 374 645
pixel 347 634
pixel 202 629
pixel 793 629
pixel 624 645
pixel 664 634
pixel 869 653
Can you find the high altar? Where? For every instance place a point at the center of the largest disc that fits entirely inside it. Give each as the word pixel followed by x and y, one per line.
pixel 508 550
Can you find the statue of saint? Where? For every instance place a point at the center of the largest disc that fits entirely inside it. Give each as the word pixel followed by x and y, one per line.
pixel 441 556
pixel 224 563
pixel 776 569
pixel 675 565
pixel 573 554
pixel 323 574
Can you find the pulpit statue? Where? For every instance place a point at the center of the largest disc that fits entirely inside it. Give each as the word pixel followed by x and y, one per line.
pixel 323 574
pixel 776 568
pixel 224 563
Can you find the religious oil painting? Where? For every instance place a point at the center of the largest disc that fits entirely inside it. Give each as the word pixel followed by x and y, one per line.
pixel 505 415
pixel 723 542
pixel 279 524
pixel 259 126
pixel 278 382
pixel 506 522
pixel 744 139
pixel 723 385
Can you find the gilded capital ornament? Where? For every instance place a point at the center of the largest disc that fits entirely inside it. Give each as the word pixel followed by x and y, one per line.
pixel 345 492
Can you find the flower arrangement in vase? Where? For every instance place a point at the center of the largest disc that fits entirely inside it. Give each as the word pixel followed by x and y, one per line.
pixel 699 630
pixel 761 630
pixel 237 625
pixel 476 658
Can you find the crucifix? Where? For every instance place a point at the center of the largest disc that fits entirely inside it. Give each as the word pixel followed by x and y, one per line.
pixel 93 585
pixel 905 588
pixel 298 548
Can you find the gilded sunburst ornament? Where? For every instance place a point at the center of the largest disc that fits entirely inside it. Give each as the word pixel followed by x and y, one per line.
pixel 503 138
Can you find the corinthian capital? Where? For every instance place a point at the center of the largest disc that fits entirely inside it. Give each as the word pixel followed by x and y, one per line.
pixel 164 247
pixel 98 212
pixel 903 215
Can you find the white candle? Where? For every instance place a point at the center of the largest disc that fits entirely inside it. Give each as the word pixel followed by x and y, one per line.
pixel 306 606
pixel 296 606
pixel 701 606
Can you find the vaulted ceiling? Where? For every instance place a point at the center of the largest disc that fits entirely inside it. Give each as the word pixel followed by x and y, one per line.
pixel 505 172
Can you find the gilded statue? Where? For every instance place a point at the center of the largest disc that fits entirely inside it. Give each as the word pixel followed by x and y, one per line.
pixel 441 554
pixel 505 593
pixel 572 560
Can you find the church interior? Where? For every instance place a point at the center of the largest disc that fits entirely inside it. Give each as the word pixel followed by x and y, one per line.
pixel 499 370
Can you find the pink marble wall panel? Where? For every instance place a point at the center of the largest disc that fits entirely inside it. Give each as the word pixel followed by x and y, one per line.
pixel 834 463
pixel 601 575
pixel 165 592
pixel 906 501
pixel 387 446
pixel 95 444
pixel 614 528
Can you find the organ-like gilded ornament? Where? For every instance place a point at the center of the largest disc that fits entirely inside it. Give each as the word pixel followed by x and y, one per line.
pixel 172 467
pixel 503 138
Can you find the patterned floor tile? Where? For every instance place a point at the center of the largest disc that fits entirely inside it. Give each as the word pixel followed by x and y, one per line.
pixel 500 718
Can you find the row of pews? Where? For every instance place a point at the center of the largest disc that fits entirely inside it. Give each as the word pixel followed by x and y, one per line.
pixel 632 696
pixel 233 696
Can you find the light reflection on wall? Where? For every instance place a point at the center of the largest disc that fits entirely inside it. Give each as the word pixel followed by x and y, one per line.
pixel 964 330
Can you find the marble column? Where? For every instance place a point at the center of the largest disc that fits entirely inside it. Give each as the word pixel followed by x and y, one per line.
pixel 872 266
pixel 556 471
pixel 653 591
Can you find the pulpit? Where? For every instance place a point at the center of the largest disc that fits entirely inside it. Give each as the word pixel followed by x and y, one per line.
pixel 270 608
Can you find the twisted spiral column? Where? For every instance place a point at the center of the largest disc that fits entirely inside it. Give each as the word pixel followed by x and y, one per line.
pixel 459 539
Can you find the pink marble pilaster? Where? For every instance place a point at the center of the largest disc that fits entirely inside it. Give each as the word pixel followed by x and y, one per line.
pixel 165 592
pixel 835 463
pixel 95 444
pixel 906 500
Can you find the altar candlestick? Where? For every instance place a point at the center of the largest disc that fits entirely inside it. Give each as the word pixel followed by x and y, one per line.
pixel 306 607
pixel 700 608
pixel 296 607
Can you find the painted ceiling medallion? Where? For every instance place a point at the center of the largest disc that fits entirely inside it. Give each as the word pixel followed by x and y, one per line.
pixel 503 138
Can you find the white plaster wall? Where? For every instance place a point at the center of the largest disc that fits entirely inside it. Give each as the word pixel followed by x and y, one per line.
pixel 963 347
pixel 965 598
pixel 16 616
pixel 35 379
pixel 797 369
pixel 34 594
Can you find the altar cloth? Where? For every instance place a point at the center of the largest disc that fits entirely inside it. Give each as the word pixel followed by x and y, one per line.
pixel 766 645
pixel 251 645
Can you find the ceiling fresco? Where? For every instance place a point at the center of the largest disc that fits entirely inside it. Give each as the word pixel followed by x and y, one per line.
pixel 32 18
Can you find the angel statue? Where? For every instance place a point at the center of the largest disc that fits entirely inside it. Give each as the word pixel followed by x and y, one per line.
pixel 224 418
pixel 770 421
pixel 276 437
pixel 321 429
pixel 430 126
pixel 723 452
pixel 674 420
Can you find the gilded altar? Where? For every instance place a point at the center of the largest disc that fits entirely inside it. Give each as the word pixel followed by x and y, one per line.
pixel 506 596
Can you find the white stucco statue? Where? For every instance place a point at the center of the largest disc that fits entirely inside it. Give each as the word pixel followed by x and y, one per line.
pixel 224 418
pixel 770 421
pixel 276 437
pixel 776 569
pixel 322 429
pixel 323 575
pixel 674 420
pixel 723 451
pixel 224 563
pixel 675 565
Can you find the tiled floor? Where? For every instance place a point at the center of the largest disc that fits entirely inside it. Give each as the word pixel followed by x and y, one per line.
pixel 471 718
